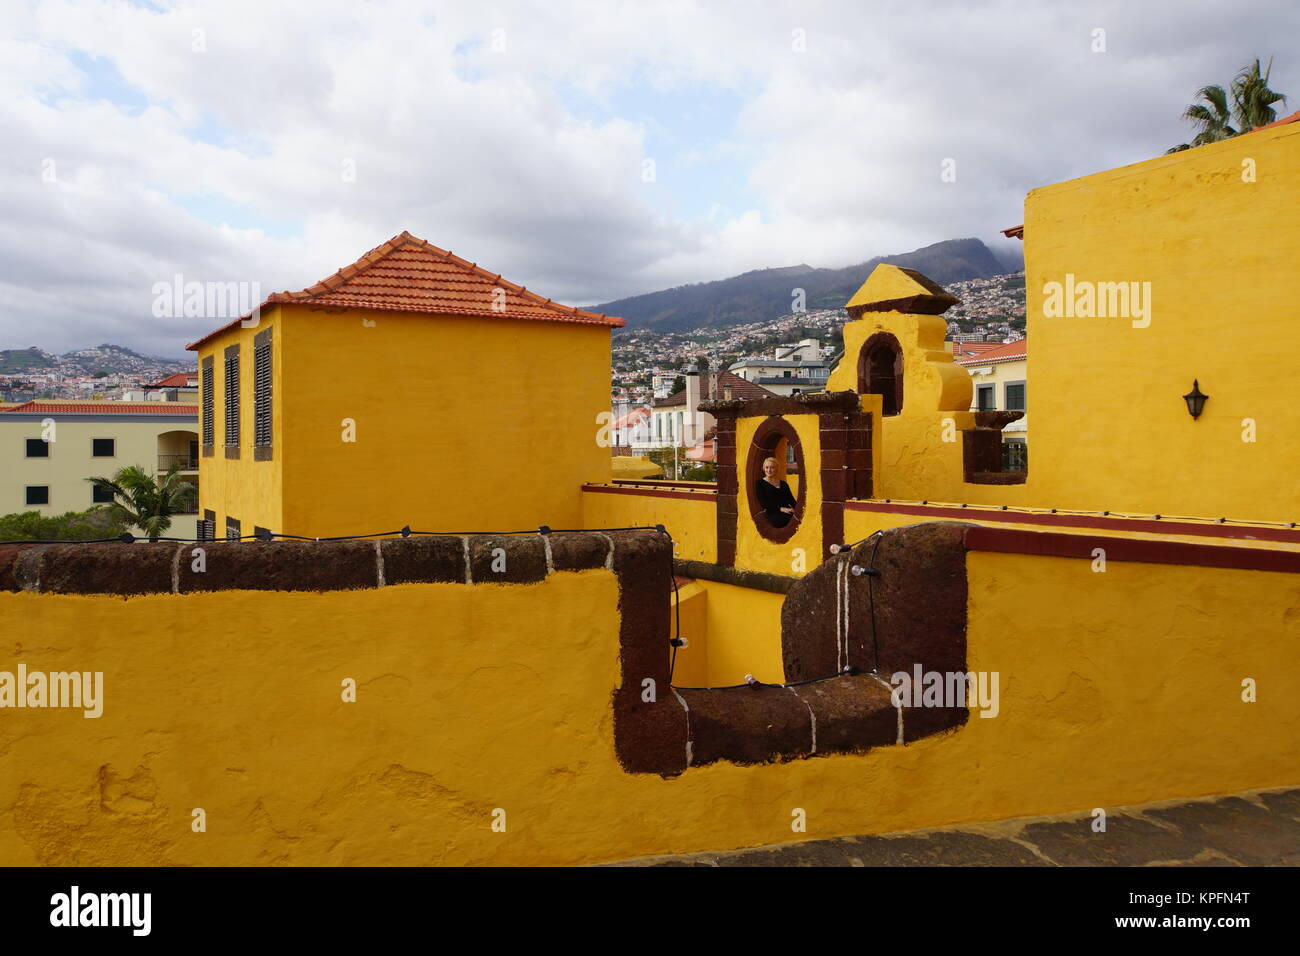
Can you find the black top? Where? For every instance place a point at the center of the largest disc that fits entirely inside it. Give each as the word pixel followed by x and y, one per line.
pixel 772 500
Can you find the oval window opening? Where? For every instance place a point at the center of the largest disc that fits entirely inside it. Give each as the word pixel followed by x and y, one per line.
pixel 776 509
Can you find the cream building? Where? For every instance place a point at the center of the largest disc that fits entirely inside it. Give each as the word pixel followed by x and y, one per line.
pixel 999 379
pixel 49 448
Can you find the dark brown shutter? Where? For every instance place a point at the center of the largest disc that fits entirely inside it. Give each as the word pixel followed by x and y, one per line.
pixel 262 396
pixel 209 406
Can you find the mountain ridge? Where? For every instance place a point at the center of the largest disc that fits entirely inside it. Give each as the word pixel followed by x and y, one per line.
pixel 764 293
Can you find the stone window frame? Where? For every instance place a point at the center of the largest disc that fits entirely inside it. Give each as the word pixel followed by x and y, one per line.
pixel 1006 401
pixel 763 445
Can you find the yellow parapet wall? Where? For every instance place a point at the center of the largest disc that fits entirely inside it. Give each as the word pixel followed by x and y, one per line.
pixel 487 702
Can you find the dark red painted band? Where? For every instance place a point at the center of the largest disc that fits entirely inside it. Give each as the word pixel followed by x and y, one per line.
pixel 1014 541
pixel 1148 526
pixel 706 496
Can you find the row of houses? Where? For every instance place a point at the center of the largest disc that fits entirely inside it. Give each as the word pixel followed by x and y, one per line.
pixel 676 421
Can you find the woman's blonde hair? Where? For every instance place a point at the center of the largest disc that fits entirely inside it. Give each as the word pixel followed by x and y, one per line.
pixel 772 460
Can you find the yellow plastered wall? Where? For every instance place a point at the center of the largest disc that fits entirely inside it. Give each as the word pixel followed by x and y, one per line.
pixel 249 491
pixel 744 634
pixel 692 524
pixel 1111 430
pixel 753 551
pixel 1099 709
pixel 459 424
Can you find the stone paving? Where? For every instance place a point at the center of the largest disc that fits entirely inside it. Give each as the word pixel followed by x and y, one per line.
pixel 1256 828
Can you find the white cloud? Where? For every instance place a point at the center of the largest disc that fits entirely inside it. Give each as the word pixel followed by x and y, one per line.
pixel 485 152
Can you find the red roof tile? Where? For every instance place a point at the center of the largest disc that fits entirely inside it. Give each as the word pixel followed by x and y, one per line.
pixel 1007 352
pixel 407 274
pixel 1293 118
pixel 103 408
pixel 713 385
pixel 179 380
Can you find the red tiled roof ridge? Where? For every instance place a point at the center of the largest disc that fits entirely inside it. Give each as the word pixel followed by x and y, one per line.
pixel 1004 352
pixel 404 238
pixel 105 407
pixel 332 290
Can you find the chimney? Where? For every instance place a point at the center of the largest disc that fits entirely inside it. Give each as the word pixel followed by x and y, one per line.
pixel 691 436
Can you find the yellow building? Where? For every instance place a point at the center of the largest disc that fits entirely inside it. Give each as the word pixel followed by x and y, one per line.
pixel 1000 380
pixel 50 448
pixel 411 388
pixel 556 710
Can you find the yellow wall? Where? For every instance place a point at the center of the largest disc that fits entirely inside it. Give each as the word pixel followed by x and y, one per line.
pixel 692 524
pixel 1111 431
pixel 1113 708
pixel 1220 256
pixel 753 551
pixel 461 424
pixel 248 491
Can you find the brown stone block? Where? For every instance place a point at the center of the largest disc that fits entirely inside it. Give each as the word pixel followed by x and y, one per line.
pixel 832 439
pixel 726 502
pixel 863 485
pixel 859 438
pixel 835 484
pixel 747 725
pixel 281 566
pixel 834 459
pixel 8 561
pixel 853 713
pixel 726 457
pixel 649 737
pixel 97 568
pixel 507 559
pixel 919 722
pixel 431 558
pixel 578 551
pixel 643 563
pixel 728 483
pixel 857 459
pixel 726 551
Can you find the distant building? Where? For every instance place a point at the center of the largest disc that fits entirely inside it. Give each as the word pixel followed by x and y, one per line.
pixel 792 369
pixel 677 420
pixel 999 378
pixel 49 448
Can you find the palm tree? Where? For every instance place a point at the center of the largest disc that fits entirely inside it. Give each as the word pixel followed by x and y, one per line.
pixel 1222 114
pixel 145 502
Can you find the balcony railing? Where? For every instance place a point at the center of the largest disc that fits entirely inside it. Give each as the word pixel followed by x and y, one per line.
pixel 186 462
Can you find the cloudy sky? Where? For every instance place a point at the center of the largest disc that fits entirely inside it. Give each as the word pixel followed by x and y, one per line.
pixel 589 150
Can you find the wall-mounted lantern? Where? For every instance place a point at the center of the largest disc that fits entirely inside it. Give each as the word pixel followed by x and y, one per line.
pixel 1195 400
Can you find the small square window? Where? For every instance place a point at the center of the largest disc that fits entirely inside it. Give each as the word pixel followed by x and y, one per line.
pixel 38 494
pixel 101 496
pixel 103 447
pixel 38 448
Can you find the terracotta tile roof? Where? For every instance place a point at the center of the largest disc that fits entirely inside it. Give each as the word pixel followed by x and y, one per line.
pixel 1293 118
pixel 1015 232
pixel 102 408
pixel 714 384
pixel 407 274
pixel 633 417
pixel 967 349
pixel 1007 352
pixel 179 380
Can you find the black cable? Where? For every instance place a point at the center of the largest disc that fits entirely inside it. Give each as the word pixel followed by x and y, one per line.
pixel 131 539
